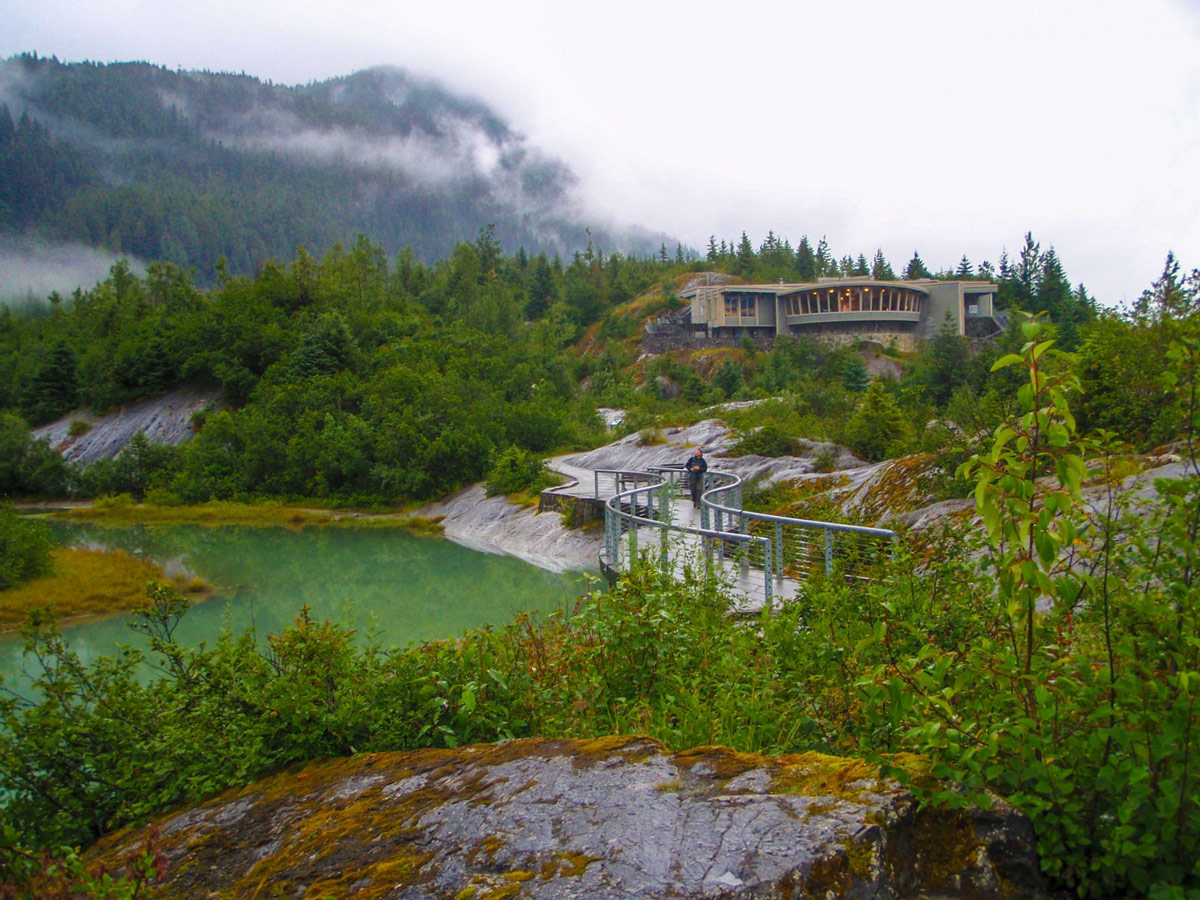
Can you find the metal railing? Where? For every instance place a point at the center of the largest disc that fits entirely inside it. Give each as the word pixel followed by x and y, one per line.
pixel 803 547
pixel 638 520
pixel 638 524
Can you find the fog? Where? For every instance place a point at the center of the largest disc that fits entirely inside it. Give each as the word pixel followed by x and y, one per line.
pixel 31 271
pixel 941 126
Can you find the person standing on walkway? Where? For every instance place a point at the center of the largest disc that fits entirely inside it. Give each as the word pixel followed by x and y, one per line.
pixel 696 466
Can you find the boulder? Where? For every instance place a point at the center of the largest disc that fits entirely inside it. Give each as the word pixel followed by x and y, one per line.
pixel 616 817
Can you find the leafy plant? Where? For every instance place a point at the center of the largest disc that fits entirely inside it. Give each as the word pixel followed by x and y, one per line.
pixel 24 548
pixel 518 470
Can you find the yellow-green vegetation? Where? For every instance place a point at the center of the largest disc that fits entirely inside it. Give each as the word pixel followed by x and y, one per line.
pixel 88 583
pixel 820 775
pixel 122 510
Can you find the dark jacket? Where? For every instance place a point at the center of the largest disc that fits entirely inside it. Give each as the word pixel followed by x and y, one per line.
pixel 696 466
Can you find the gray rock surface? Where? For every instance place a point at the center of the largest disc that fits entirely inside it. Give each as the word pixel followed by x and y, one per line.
pixel 164 420
pixel 609 819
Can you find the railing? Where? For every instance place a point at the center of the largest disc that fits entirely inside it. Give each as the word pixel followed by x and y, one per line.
pixel 736 539
pixel 803 547
pixel 638 525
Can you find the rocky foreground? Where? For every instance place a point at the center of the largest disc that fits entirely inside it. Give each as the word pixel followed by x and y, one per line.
pixel 618 817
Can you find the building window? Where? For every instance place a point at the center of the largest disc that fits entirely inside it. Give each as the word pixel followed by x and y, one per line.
pixel 748 306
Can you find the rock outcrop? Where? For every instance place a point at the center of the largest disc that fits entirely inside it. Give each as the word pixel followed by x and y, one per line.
pixel 618 817
pixel 164 420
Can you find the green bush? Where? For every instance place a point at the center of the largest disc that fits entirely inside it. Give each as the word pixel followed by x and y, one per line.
pixel 518 470
pixel 24 549
pixel 878 429
pixel 768 440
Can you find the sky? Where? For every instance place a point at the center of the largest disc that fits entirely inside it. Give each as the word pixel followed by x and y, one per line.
pixel 948 127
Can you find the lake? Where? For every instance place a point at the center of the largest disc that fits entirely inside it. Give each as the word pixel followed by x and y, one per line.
pixel 393 586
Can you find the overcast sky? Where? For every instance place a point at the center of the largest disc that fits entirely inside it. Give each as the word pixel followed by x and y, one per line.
pixel 945 126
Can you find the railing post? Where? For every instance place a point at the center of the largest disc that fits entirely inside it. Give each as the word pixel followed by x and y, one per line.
pixel 596 489
pixel 778 549
pixel 767 580
pixel 828 551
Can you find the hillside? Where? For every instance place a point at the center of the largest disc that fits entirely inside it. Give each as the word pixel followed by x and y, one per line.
pixel 188 167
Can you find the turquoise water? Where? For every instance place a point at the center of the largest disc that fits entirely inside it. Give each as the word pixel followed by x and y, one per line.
pixel 393 587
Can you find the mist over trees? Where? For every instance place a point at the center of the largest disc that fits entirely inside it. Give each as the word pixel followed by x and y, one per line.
pixel 194 167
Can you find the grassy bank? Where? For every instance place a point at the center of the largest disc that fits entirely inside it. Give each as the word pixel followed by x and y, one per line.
pixel 88 583
pixel 124 511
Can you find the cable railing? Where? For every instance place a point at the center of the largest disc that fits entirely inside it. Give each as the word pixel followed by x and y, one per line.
pixel 639 519
pixel 639 525
pixel 803 547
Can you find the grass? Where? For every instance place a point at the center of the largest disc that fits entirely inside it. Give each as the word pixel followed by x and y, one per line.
pixel 229 513
pixel 88 583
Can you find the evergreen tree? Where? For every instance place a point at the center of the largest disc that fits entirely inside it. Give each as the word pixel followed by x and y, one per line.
pixel 964 270
pixel 881 268
pixel 1165 298
pixel 711 256
pixel 825 261
pixel 806 261
pixel 916 268
pixel 878 429
pixel 744 264
pixel 55 389
pixel 854 374
pixel 1053 289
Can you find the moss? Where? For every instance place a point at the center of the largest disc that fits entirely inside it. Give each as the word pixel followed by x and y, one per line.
pixel 467 893
pixel 669 787
pixel 572 865
pixel 944 846
pixel 520 875
pixel 501 893
pixel 819 775
pixel 631 749
pixel 827 877
pixel 860 857
pixel 721 762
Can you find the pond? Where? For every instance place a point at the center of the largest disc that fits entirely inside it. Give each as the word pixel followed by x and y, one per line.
pixel 393 587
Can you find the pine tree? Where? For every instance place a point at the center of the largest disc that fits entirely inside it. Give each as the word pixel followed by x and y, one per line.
pixel 965 269
pixel 711 256
pixel 744 264
pixel 916 268
pixel 881 269
pixel 825 262
pixel 806 261
pixel 860 266
pixel 1053 289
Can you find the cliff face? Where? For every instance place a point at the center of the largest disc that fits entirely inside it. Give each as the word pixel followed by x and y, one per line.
pixel 618 817
pixel 164 420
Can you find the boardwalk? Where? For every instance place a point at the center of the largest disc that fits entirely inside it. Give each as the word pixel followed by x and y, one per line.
pixel 762 559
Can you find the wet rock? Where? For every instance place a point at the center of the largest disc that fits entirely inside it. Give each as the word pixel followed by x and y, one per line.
pixel 607 818
pixel 164 420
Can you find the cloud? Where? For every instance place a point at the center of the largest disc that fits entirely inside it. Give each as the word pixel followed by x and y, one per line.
pixel 30 270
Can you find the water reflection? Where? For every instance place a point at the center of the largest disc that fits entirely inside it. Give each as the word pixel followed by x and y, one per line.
pixel 391 586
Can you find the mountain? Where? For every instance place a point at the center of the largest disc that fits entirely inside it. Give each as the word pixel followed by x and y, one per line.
pixel 191 166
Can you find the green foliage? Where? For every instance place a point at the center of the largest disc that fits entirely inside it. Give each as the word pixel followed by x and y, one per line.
pixel 878 429
pixel 1069 683
pixel 28 468
pixel 518 470
pixel 24 548
pixel 768 440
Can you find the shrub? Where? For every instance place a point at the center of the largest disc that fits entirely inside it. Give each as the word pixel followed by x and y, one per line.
pixel 769 440
pixel 24 549
pixel 79 427
pixel 518 470
pixel 878 430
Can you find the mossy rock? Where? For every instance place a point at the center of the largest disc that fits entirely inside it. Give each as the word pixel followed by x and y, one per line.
pixel 583 818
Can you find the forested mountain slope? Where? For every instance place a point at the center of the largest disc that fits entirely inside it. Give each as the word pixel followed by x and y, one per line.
pixel 188 167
